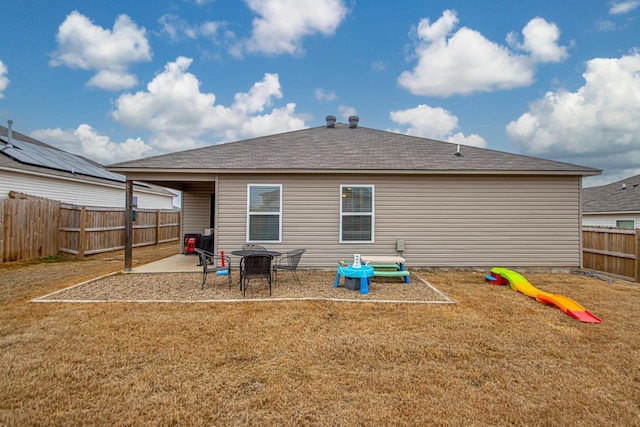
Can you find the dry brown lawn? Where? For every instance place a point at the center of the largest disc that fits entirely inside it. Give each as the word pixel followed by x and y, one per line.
pixel 495 357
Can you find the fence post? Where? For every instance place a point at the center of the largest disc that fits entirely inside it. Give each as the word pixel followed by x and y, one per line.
pixel 637 253
pixel 157 226
pixel 1 231
pixel 128 226
pixel 81 233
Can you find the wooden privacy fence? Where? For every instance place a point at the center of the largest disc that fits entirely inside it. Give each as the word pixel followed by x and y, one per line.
pixel 614 251
pixel 28 228
pixel 85 231
pixel 32 227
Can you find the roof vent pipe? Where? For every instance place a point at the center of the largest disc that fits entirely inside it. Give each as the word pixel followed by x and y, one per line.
pixel 458 152
pixel 353 121
pixel 9 133
pixel 331 121
pixel 624 186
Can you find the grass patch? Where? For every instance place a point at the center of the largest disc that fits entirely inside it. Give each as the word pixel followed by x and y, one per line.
pixel 51 259
pixel 496 357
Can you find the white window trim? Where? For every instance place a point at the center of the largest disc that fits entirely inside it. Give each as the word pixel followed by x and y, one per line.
pixel 248 222
pixel 373 214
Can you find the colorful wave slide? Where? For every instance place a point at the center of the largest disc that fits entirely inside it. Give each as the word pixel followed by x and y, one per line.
pixel 518 283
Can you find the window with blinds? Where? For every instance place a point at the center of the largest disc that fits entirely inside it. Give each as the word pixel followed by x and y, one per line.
pixel 356 213
pixel 264 213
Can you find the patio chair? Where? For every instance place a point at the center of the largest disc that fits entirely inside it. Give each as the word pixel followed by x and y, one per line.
pixel 211 263
pixel 289 262
pixel 253 267
pixel 253 247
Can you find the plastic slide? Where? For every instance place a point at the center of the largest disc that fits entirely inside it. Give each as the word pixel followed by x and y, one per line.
pixel 520 284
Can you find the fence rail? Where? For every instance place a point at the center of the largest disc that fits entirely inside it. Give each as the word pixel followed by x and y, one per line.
pixel 85 231
pixel 35 228
pixel 615 251
pixel 28 229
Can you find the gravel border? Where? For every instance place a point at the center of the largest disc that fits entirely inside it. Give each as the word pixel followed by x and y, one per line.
pixel 186 287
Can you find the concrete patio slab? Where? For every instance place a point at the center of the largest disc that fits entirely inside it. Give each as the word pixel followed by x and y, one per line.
pixel 178 263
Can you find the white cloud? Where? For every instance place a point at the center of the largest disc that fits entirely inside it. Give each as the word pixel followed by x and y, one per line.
pixel 259 96
pixel 622 7
pixel 85 141
pixel 379 66
pixel 325 95
pixel 211 28
pixel 597 125
pixel 276 121
pixel 435 123
pixel 174 27
pixel 347 111
pixel 179 116
pixel 4 80
pixel 541 39
pixel 84 45
pixel 464 61
pixel 177 29
pixel 473 140
pixel 605 26
pixel 282 24
pixel 113 80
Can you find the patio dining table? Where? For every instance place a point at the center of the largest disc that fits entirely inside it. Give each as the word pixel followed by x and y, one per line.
pixel 246 252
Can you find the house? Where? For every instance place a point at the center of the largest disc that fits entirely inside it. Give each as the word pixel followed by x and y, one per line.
pixel 612 205
pixel 342 189
pixel 32 167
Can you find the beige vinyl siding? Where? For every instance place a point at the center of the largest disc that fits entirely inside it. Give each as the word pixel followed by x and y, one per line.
pixel 483 221
pixel 196 207
pixel 445 221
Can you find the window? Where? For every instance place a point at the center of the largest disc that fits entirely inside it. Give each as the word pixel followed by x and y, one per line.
pixel 264 212
pixel 356 213
pixel 625 223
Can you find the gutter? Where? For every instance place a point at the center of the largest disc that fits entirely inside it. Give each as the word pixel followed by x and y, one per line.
pixel 186 171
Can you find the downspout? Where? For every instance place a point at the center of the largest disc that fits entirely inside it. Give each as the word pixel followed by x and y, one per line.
pixel 580 222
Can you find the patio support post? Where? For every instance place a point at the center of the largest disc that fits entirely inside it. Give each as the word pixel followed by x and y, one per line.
pixel 128 226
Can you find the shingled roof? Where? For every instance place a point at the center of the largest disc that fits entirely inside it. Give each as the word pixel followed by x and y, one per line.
pixel 346 149
pixel 620 196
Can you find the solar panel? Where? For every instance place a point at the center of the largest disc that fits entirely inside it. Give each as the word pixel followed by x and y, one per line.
pixel 48 157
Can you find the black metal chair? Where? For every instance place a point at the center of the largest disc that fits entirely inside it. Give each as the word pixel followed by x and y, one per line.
pixel 253 247
pixel 253 267
pixel 288 262
pixel 214 263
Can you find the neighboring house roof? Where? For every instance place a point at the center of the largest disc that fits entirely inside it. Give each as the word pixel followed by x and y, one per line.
pixel 9 162
pixel 343 149
pixel 620 196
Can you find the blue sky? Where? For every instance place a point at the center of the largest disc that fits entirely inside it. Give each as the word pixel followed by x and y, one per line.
pixel 120 80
